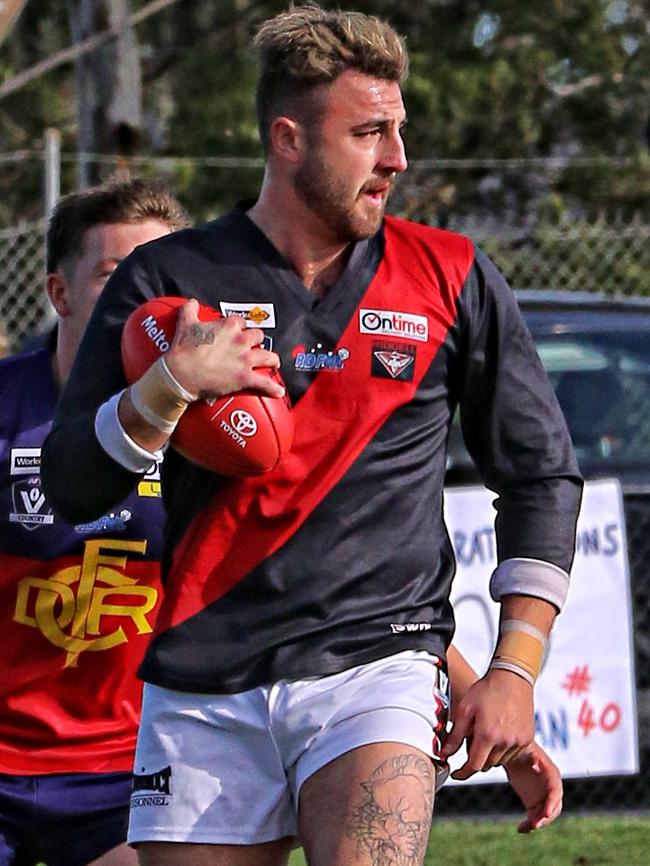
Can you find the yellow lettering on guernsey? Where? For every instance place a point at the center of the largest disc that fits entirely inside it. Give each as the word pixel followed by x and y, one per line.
pixel 72 620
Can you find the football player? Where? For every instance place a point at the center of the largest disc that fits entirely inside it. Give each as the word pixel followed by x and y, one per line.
pixel 77 600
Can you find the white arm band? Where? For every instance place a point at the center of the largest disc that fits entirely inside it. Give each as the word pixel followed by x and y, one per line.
pixel 117 443
pixel 530 577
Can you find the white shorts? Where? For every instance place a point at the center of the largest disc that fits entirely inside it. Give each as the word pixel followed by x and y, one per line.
pixel 227 769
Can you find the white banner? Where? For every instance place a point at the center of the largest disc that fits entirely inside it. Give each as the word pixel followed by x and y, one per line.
pixel 585 697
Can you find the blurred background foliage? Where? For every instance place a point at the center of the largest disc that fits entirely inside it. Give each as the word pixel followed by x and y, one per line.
pixel 546 99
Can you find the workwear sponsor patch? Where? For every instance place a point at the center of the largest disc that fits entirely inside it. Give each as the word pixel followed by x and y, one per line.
pixel 255 315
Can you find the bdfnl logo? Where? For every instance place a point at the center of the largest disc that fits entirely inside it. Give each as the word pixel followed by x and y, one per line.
pixel 318 358
pixel 392 323
pixel 112 522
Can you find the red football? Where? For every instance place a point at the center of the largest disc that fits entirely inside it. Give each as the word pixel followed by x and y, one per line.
pixel 240 434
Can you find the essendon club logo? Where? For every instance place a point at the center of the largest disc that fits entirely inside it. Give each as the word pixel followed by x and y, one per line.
pixel 152 789
pixel 393 361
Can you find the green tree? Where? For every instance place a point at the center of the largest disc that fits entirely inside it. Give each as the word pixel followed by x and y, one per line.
pixel 495 80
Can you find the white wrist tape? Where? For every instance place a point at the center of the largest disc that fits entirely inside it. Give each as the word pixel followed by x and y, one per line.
pixel 522 576
pixel 521 625
pixel 183 393
pixel 520 649
pixel 117 443
pixel 514 669
pixel 159 398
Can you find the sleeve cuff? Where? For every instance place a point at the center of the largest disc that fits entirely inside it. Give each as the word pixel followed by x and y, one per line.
pixel 117 443
pixel 530 577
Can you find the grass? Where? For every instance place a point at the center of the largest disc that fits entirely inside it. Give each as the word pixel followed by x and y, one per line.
pixel 570 841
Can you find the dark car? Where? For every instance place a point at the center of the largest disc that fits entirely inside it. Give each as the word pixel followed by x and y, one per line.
pixel 596 351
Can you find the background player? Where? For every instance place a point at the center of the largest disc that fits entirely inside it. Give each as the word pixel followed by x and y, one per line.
pixel 298 656
pixel 77 602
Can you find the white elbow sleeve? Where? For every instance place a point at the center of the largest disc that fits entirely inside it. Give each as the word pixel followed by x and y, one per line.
pixel 117 443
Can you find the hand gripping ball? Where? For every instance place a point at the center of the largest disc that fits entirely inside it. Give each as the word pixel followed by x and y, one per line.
pixel 239 434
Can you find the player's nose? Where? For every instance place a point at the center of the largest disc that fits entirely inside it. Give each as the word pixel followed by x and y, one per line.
pixel 393 157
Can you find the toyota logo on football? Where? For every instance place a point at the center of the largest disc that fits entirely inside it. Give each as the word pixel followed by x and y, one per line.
pixel 243 423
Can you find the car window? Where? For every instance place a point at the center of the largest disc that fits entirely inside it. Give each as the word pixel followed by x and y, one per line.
pixel 602 382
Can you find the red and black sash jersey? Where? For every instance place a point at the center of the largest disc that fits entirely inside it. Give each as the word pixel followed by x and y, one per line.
pixel 77 601
pixel 339 555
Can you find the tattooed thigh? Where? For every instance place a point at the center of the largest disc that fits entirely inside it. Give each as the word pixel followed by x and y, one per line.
pixel 391 823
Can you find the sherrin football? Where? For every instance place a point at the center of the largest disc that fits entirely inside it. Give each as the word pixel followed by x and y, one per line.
pixel 239 434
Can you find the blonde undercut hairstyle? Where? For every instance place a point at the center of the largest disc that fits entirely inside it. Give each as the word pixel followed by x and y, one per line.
pixel 307 46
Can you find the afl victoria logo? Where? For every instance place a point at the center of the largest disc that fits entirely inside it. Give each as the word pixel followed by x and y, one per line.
pixel 243 423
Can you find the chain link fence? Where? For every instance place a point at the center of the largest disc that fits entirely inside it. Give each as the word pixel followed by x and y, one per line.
pixel 24 307
pixel 607 257
pixel 610 256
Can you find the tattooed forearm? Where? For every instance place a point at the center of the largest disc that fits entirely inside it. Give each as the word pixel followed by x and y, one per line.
pixel 199 334
pixel 393 820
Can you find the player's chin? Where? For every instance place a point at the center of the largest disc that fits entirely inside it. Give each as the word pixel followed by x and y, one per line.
pixel 367 222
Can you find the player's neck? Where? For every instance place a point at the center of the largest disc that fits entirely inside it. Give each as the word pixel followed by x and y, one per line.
pixel 298 235
pixel 63 355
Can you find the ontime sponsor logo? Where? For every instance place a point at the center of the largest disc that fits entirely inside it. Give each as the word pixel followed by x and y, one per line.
pixel 393 323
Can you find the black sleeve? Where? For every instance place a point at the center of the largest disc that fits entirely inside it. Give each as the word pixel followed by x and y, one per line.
pixel 82 482
pixel 513 425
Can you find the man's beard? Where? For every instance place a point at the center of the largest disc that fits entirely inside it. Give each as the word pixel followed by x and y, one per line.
pixel 318 185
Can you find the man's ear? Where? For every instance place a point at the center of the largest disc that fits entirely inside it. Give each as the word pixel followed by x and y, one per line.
pixel 57 291
pixel 287 139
